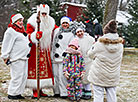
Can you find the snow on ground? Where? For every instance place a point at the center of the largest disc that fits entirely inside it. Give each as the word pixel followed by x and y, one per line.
pixel 127 91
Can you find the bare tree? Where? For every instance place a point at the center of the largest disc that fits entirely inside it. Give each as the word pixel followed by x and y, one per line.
pixel 7 9
pixel 110 11
pixel 123 5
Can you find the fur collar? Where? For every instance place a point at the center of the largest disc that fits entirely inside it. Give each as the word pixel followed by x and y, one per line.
pixel 110 39
pixel 17 28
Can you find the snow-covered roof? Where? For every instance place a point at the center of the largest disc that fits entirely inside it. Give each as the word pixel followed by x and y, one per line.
pixel 74 4
pixel 122 17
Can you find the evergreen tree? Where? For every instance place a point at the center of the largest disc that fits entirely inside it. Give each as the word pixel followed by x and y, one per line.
pixel 55 10
pixel 132 28
pixel 24 7
pixel 122 31
pixel 94 9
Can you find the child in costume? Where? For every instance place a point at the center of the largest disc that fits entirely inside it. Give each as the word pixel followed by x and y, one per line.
pixel 73 68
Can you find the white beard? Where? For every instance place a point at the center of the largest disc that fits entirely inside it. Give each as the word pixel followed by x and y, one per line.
pixel 46 28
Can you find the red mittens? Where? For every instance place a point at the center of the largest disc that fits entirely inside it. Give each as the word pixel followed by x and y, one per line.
pixel 39 35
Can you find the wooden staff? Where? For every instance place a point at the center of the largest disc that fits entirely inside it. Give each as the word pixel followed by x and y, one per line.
pixel 38 56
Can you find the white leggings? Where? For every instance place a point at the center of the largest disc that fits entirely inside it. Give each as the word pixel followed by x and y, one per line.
pixel 99 94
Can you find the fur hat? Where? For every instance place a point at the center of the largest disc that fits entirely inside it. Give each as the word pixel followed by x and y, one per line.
pixel 65 19
pixel 78 29
pixel 75 43
pixel 43 8
pixel 16 17
pixel 110 27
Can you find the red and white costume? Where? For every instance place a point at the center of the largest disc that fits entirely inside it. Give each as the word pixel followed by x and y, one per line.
pixel 47 25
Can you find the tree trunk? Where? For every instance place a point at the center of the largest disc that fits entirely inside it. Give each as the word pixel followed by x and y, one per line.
pixel 121 3
pixel 110 11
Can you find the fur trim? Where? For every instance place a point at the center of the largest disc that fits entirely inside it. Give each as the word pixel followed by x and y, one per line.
pixel 33 37
pixel 109 41
pixel 44 83
pixel 32 20
pixel 45 41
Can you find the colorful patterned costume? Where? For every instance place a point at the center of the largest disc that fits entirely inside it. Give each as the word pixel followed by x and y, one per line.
pixel 74 65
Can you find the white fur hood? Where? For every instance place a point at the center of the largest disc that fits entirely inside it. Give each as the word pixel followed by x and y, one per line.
pixel 111 41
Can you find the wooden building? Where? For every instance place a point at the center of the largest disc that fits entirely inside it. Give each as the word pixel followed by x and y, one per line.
pixel 73 10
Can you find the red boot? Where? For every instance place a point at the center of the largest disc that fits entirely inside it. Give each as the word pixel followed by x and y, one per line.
pixel 34 93
pixel 42 94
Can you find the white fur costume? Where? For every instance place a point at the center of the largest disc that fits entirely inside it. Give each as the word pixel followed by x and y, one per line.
pixel 15 47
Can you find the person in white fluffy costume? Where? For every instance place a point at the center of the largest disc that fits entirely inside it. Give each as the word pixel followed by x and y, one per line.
pixel 62 37
pixel 85 43
pixel 47 25
pixel 15 50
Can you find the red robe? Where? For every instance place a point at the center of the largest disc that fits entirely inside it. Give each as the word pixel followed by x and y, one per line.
pixel 45 66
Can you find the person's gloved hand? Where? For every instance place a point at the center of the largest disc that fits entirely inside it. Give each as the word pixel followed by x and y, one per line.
pixel 39 35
